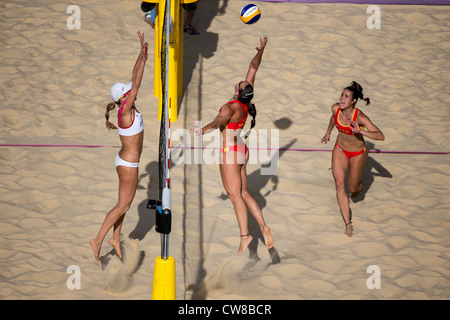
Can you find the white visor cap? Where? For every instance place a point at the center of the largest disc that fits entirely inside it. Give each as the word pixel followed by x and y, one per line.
pixel 119 89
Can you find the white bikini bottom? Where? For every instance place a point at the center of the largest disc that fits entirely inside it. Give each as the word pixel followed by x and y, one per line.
pixel 120 162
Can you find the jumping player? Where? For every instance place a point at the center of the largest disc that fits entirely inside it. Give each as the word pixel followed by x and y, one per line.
pixel 234 152
pixel 131 133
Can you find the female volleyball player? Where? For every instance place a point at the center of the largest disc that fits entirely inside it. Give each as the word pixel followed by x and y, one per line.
pixel 234 152
pixel 131 133
pixel 349 152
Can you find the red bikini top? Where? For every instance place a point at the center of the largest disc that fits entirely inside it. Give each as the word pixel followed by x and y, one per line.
pixel 345 129
pixel 241 123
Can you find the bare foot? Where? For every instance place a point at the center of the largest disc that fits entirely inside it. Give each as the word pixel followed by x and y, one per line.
pixel 245 242
pixel 96 248
pixel 348 229
pixel 116 246
pixel 356 193
pixel 268 239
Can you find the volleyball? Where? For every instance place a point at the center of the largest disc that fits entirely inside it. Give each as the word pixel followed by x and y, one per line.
pixel 250 14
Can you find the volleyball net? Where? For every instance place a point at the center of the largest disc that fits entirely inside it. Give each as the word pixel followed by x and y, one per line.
pixel 162 205
pixel 164 132
pixel 164 272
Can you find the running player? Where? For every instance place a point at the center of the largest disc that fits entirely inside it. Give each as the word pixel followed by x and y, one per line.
pixel 349 152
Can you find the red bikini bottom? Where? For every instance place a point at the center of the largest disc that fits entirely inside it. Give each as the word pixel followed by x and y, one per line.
pixel 350 154
pixel 242 148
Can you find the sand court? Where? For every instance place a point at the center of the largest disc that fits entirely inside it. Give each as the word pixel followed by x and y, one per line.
pixel 58 180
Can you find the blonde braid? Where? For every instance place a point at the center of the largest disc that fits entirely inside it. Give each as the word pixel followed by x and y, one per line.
pixel 110 107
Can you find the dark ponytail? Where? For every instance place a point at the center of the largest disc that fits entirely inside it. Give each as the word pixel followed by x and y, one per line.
pixel 252 112
pixel 245 96
pixel 357 92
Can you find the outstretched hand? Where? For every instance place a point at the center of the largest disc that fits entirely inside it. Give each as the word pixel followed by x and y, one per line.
pixel 141 38
pixel 262 44
pixel 196 128
pixel 144 46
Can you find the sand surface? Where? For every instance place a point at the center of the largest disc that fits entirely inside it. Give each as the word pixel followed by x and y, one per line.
pixel 54 88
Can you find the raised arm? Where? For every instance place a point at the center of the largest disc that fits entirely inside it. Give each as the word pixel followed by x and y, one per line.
pixel 141 54
pixel 138 71
pixel 221 119
pixel 256 61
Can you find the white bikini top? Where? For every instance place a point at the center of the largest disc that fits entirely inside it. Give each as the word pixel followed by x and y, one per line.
pixel 137 125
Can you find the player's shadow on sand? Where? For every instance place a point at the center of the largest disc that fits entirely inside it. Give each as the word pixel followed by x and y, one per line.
pixel 370 171
pixel 256 182
pixel 203 46
pixel 146 217
pixel 145 223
